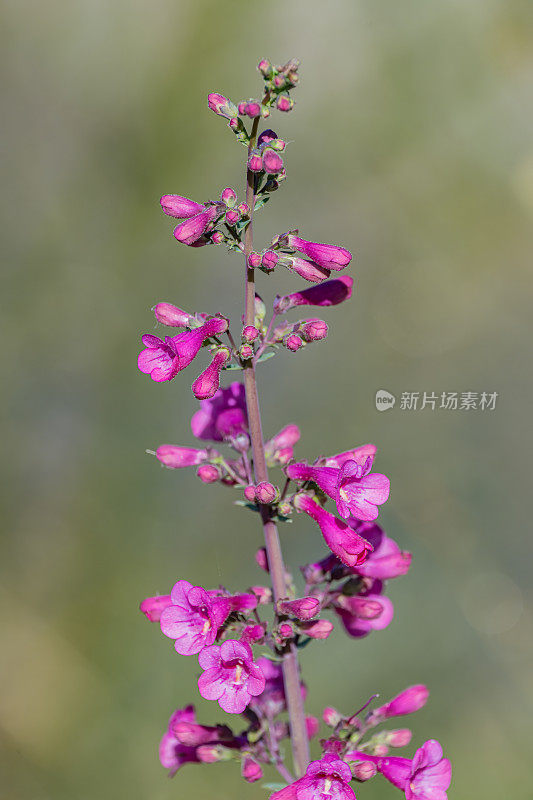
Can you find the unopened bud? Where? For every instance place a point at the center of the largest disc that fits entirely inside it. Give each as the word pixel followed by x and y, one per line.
pixel 255 163
pixel 320 629
pixel 304 608
pixel 174 317
pixel 244 209
pixel 263 594
pixel 266 493
pixel 272 162
pixel 254 259
pixel 278 144
pixel 293 342
pixel 246 352
pixel 364 771
pixel 266 136
pixel 285 509
pixel 261 556
pixel 251 109
pixel 209 473
pixel 265 67
pixel 232 216
pixel 249 333
pixel 218 237
pixel 331 716
pixel 259 310
pixel 234 123
pixel 381 750
pixel 312 726
pixel 211 753
pixel 284 103
pixel 279 81
pixel 228 196
pixel 222 106
pixel 269 259
pixel 152 607
pixel 399 738
pixel 249 493
pixel 314 329
pixel 251 770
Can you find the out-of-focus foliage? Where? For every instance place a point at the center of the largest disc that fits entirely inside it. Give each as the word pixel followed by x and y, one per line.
pixel 411 145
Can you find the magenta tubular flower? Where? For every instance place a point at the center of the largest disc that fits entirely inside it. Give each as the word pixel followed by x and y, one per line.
pixel 329 293
pixel 206 385
pixel 366 612
pixel 162 360
pixel 152 607
pixel 359 454
pixel 172 316
pixel 356 493
pixel 307 270
pixel 387 561
pixel 222 106
pixel 175 457
pixel 194 618
pixel 342 540
pixel 223 416
pixel 407 702
pixel 279 450
pixel 304 608
pixel 230 675
pixel 426 777
pixel 191 231
pixel 172 753
pixel 327 779
pixel 317 629
pixel 329 256
pixel 180 207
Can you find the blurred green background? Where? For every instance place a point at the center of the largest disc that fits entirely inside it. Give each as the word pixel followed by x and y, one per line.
pixel 411 144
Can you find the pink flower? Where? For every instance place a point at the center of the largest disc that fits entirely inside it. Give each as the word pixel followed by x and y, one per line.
pixel 293 342
pixel 175 457
pixel 230 675
pixel 255 163
pixel 221 105
pixel 409 701
pixel 356 493
pixel 272 161
pixel 304 608
pixel 206 385
pixel 279 449
pixel 387 561
pixel 174 317
pixel 251 770
pixel 194 618
pixel 153 606
pixel 162 360
pixel 329 293
pixel 180 207
pixel 317 629
pixel 342 540
pixel 426 777
pixel 314 329
pixel 359 454
pixel 329 256
pixel 284 103
pixel 209 473
pixel 327 779
pixel 365 612
pixel 307 270
pixel 190 231
pixel 172 753
pixel 223 416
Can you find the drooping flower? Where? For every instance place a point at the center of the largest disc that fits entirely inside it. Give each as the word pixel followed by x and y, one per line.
pixel 222 106
pixel 387 560
pixel 223 416
pixel 194 617
pixel 329 293
pixel 329 256
pixel 206 385
pixel 172 316
pixel 356 492
pixel 308 270
pixel 152 607
pixel 367 611
pixel 174 205
pixel 279 450
pixel 342 540
pixel 327 779
pixel 409 701
pixel 230 675
pixel 426 777
pixel 359 454
pixel 303 608
pixel 190 231
pixel 172 753
pixel 162 360
pixel 174 456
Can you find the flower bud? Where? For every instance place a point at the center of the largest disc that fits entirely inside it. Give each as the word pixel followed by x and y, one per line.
pixel 209 473
pixel 266 493
pixel 221 105
pixel 293 342
pixel 250 770
pixel 228 196
pixel 279 81
pixel 249 333
pixel 261 556
pixel 175 457
pixel 265 112
pixel 249 493
pixel 398 738
pixel 381 750
pixel 253 634
pixel 212 753
pixel 263 594
pixel 284 508
pixel 284 633
pixel 307 270
pixel 266 136
pixel 331 716
pixel 232 216
pixel 314 329
pixel 174 317
pixel 244 209
pixel 174 205
pixel 364 770
pixel 152 607
pixel 269 259
pixel 234 123
pixel 242 108
pixel 255 163
pixel 207 383
pixel 254 259
pixel 329 293
pixel 259 311
pixel 407 702
pixel 265 67
pixel 246 352
pixel 320 629
pixel 284 103
pixel 217 237
pixel 279 145
pixel 272 162
pixel 303 608
pixel 252 109
pixel 312 726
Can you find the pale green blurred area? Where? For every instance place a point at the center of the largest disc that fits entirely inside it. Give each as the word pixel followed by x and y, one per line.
pixel 411 144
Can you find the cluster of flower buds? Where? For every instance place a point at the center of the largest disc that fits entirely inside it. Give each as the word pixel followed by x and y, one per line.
pixel 279 80
pixel 202 220
pixel 265 157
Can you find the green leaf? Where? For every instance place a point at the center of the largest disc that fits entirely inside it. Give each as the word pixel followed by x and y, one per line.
pixel 265 356
pixel 261 201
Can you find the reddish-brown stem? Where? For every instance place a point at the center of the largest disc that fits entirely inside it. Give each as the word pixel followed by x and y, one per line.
pixel 291 669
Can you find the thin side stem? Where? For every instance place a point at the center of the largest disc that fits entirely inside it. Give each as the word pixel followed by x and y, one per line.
pixel 291 670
